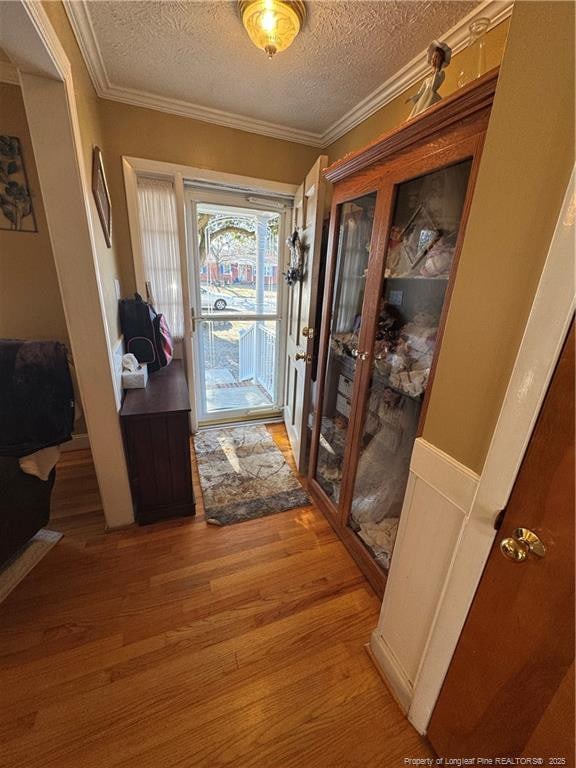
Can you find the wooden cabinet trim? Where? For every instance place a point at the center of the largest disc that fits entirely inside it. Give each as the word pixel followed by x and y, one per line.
pixel 464 103
pixel 451 132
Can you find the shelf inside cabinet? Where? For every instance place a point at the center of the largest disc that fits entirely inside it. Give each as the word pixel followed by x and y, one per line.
pixel 418 279
pixel 384 382
pixel 422 176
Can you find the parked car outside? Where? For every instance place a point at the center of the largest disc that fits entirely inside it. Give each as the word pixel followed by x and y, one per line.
pixel 212 300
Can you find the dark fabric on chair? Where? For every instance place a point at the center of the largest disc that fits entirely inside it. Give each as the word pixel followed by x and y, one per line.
pixel 36 396
pixel 24 506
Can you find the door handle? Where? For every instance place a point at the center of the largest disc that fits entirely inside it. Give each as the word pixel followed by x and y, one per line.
pixel 522 543
pixel 303 356
pixel 308 332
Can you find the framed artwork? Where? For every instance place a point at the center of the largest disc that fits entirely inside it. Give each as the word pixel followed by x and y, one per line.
pixel 16 211
pixel 101 195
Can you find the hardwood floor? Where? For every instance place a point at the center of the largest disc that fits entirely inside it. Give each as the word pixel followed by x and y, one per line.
pixel 182 644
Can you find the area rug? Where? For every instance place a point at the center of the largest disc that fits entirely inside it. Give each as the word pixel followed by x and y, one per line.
pixel 19 566
pixel 244 475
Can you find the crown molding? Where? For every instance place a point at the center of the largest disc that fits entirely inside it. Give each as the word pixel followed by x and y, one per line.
pixel 208 115
pixel 474 99
pixel 81 23
pixel 457 37
pixel 8 73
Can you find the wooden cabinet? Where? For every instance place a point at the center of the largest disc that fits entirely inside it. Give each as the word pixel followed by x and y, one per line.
pixel 155 425
pixel 398 216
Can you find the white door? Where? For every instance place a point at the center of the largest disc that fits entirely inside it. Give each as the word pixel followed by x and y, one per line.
pixel 236 292
pixel 301 311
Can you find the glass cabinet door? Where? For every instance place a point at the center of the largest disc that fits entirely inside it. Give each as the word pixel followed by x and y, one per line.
pixel 418 262
pixel 353 251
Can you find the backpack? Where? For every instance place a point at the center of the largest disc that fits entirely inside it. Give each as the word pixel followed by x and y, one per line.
pixel 164 343
pixel 146 333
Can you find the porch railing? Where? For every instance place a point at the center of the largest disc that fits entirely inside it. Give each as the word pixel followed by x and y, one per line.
pixel 257 356
pixel 246 354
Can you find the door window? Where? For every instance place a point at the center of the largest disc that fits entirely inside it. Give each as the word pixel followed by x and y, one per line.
pixel 237 322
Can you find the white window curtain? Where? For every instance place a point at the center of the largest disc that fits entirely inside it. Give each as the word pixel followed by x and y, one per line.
pixel 160 250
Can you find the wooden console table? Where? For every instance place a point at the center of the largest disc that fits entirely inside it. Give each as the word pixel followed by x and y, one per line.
pixel 155 425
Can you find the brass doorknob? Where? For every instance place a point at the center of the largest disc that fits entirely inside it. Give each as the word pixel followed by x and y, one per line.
pixel 513 550
pixel 303 356
pixel 522 542
pixel 308 332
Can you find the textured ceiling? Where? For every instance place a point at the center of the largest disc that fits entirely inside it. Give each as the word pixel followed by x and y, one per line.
pixel 198 52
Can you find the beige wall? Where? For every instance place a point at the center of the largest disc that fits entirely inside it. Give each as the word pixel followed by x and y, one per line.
pixel 88 107
pixel 527 160
pixel 154 135
pixel 526 164
pixel 120 129
pixel 30 302
pixel 394 113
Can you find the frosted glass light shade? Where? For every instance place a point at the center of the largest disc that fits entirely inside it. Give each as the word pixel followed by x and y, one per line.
pixel 272 25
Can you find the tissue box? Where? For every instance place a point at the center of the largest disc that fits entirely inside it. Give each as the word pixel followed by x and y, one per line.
pixel 135 379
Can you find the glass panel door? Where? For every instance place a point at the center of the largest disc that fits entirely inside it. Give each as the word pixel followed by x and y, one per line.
pixel 354 235
pixel 237 287
pixel 238 365
pixel 419 258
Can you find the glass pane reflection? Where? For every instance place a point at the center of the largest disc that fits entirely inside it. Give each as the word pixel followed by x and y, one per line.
pixel 419 258
pixel 356 219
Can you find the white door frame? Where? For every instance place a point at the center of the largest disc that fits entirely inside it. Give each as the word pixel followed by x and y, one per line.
pixel 30 41
pixel 193 198
pixel 548 323
pixel 181 175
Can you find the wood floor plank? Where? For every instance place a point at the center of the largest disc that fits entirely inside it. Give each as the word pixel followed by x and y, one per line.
pixel 183 645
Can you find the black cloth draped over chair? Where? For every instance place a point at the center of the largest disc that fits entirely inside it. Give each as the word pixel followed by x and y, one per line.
pixel 36 396
pixel 36 411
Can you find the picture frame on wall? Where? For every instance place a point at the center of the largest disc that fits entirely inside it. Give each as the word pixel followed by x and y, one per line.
pixel 101 195
pixel 16 209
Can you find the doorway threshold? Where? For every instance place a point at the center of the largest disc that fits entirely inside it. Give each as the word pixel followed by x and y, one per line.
pixel 269 418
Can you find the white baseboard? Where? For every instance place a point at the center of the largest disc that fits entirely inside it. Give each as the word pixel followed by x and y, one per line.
pixel 391 670
pixel 78 443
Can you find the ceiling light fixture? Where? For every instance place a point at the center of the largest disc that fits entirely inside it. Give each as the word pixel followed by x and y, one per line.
pixel 272 25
